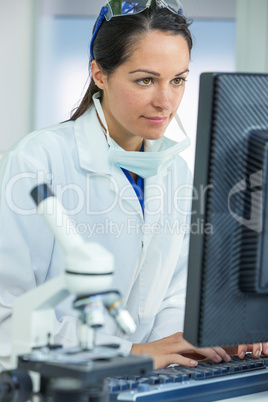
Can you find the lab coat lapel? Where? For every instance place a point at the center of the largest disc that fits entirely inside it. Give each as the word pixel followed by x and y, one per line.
pixel 129 203
pixel 93 156
pixel 91 143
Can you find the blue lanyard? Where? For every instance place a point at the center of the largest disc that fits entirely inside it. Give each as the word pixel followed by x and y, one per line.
pixel 137 187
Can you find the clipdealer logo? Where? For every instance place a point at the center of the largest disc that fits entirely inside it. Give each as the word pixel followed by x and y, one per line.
pixel 254 187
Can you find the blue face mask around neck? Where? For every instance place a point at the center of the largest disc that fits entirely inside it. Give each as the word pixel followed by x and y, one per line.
pixel 148 163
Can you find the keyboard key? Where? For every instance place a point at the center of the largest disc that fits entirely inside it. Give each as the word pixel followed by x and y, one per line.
pixel 234 368
pixel 208 373
pixel 185 377
pixel 132 384
pixel 154 380
pixel 113 387
pixel 176 377
pixel 223 370
pixel 164 379
pixel 123 385
pixel 197 375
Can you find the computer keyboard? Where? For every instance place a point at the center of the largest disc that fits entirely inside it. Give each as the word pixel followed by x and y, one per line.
pixel 206 382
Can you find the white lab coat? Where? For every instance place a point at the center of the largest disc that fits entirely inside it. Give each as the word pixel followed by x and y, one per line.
pixel 150 252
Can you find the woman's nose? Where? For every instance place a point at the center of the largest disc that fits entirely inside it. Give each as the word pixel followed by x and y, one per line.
pixel 162 98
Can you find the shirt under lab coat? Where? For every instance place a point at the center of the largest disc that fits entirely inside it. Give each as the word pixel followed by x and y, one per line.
pixel 150 251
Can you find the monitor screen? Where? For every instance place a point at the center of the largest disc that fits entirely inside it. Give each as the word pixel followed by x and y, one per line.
pixel 227 287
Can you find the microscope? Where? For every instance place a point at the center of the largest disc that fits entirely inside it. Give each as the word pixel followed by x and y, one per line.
pixel 51 372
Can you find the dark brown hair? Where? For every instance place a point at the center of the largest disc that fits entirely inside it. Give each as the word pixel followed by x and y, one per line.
pixel 116 40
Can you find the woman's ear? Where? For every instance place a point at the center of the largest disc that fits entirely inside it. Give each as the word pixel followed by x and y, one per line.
pixel 97 75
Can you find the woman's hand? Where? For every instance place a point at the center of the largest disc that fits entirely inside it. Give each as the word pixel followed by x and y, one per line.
pixel 257 349
pixel 176 350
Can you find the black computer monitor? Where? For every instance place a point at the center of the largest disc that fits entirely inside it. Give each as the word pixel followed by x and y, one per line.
pixel 227 288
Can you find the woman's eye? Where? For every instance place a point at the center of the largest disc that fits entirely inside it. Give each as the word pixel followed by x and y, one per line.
pixel 178 81
pixel 145 81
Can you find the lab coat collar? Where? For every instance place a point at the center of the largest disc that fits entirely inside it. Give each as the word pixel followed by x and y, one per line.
pixel 90 136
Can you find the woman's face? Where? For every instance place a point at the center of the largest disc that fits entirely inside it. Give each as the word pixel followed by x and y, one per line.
pixel 142 96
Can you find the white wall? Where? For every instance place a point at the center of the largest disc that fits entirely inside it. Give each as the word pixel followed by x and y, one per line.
pixel 62 67
pixel 71 8
pixel 252 35
pixel 17 53
pixel 193 8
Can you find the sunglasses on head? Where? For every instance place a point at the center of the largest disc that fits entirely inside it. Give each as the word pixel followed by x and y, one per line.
pixel 118 8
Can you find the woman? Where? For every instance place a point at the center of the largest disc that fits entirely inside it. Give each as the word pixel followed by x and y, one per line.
pixel 122 183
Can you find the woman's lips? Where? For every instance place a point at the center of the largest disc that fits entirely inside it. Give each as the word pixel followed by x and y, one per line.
pixel 156 120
